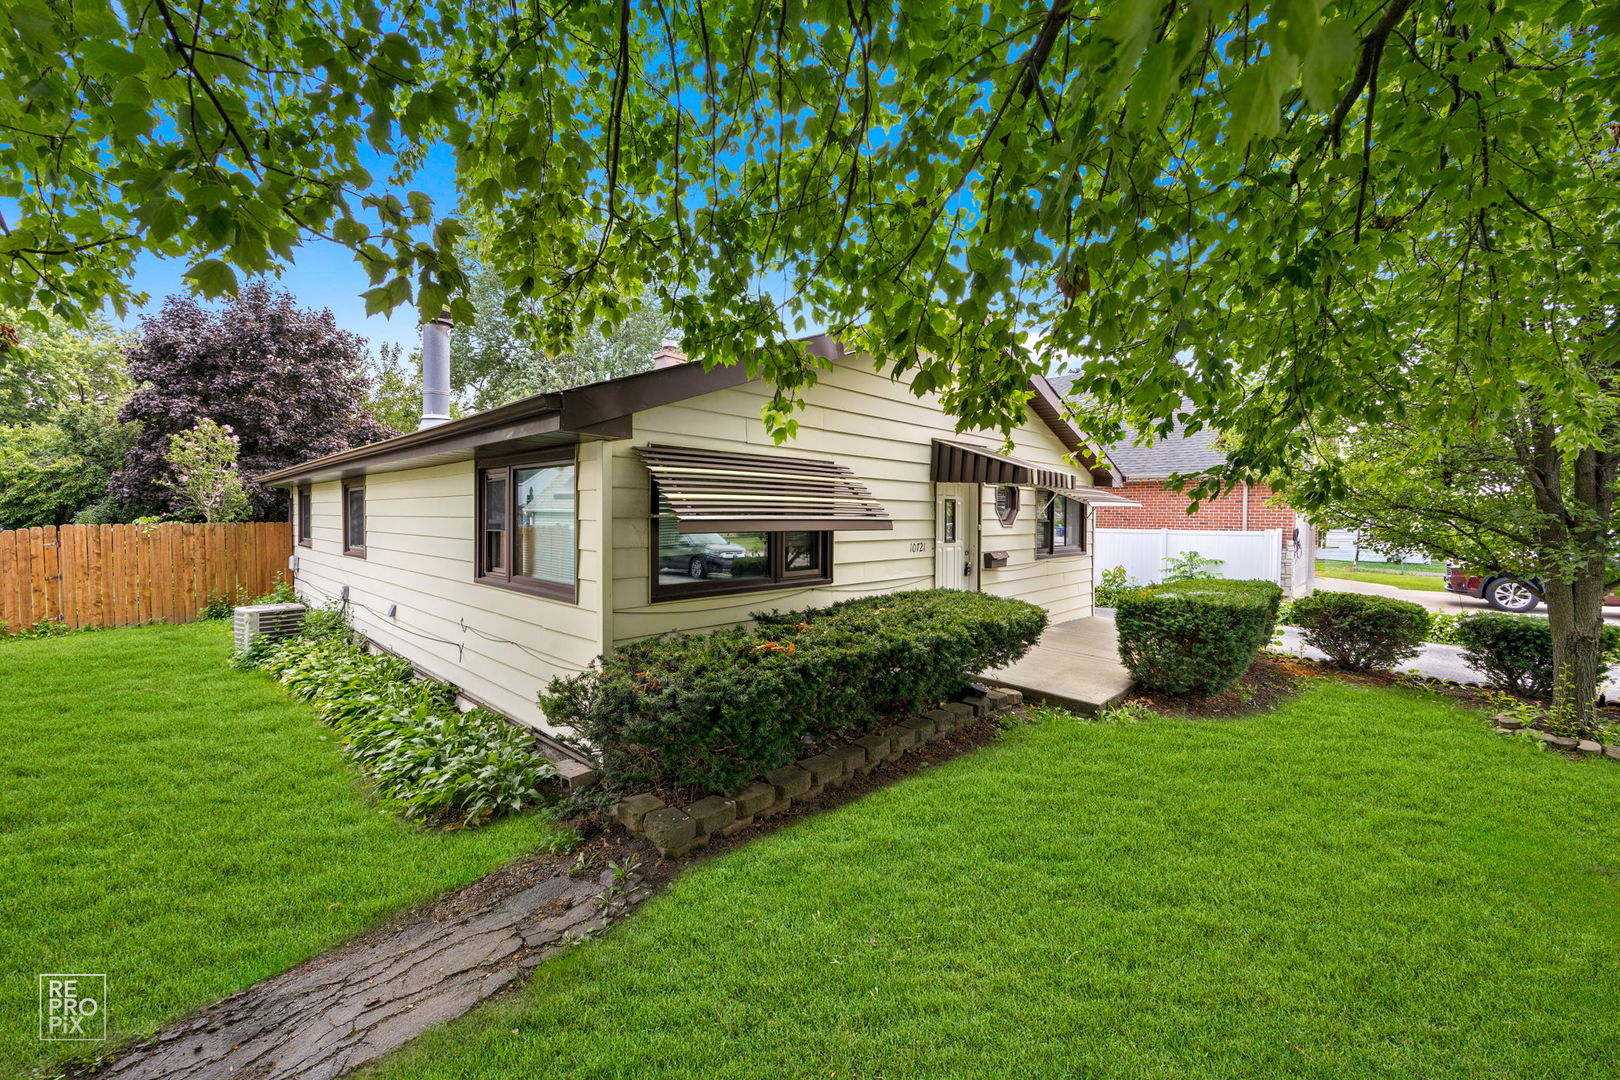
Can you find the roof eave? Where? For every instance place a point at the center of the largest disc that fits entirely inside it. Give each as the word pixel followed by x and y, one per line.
pixel 1046 404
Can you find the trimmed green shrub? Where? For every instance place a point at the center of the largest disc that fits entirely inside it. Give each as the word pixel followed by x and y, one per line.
pixel 1443 628
pixel 713 711
pixel 429 761
pixel 1195 637
pixel 1515 651
pixel 1360 632
pixel 1114 583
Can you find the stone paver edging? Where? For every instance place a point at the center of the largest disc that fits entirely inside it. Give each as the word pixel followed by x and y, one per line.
pixel 678 831
pixel 1509 725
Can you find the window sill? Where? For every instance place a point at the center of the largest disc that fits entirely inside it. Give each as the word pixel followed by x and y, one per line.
pixel 1060 553
pixel 546 590
pixel 704 590
pixel 355 553
pixel 306 543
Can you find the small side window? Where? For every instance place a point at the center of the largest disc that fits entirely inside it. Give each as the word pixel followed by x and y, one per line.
pixel 306 530
pixel 354 518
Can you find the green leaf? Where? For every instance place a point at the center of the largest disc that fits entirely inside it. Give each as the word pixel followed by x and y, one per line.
pixel 213 277
pixel 1254 98
pixel 1150 90
pixel 1328 64
pixel 1297 22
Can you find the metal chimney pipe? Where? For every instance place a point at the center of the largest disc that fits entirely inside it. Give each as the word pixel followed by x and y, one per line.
pixel 435 372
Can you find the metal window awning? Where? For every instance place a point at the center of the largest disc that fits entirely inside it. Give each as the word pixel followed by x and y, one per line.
pixel 1101 498
pixel 720 491
pixel 965 463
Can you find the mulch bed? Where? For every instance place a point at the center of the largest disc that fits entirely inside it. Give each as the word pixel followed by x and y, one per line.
pixel 1268 683
pixel 1273 678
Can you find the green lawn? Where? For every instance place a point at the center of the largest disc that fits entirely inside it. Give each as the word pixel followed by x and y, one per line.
pixel 1364 883
pixel 185 829
pixel 1421 578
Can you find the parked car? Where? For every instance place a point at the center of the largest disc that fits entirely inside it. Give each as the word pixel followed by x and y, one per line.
pixel 698 554
pixel 1500 591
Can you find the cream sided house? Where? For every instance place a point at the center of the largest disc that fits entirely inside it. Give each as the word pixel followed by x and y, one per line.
pixel 503 548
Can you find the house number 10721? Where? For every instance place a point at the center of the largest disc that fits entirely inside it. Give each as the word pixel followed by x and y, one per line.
pixel 919 545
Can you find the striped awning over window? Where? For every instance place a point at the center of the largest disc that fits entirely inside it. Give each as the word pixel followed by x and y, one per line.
pixel 965 463
pixel 720 491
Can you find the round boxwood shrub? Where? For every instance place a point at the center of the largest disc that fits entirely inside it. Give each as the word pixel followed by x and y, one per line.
pixel 713 711
pixel 1360 632
pixel 1195 637
pixel 1515 652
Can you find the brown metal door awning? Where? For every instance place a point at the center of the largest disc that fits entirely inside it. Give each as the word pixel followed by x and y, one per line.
pixel 719 491
pixel 964 463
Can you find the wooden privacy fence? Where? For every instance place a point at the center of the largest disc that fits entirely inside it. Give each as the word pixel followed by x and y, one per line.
pixel 123 575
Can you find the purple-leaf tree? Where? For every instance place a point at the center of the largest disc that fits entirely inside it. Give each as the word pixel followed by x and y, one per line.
pixel 285 380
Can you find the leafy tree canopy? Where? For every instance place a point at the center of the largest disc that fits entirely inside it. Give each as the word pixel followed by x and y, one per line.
pixel 1329 199
pixel 44 480
pixel 1472 503
pixel 494 361
pixel 394 388
pixel 286 381
pixel 57 366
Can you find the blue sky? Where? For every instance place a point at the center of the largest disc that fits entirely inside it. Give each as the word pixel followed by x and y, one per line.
pixel 325 275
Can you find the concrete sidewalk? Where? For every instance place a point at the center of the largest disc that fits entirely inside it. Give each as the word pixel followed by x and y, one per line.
pixel 1435 661
pixel 1452 603
pixel 1075 665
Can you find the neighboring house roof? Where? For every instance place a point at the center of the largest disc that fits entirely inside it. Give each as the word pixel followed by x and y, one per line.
pixel 601 410
pixel 1177 452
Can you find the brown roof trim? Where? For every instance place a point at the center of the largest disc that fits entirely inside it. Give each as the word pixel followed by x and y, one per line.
pixel 603 410
pixel 1046 404
pixel 598 409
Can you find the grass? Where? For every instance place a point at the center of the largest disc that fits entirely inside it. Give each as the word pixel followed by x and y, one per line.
pixel 186 829
pixel 1414 576
pixel 1362 883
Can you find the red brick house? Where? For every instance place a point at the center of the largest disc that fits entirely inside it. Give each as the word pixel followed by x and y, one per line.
pixel 1251 509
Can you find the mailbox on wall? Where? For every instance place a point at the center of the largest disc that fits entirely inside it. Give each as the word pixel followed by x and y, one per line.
pixel 993 559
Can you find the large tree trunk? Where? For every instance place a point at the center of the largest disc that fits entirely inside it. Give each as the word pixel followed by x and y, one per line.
pixel 1575 610
pixel 1579 516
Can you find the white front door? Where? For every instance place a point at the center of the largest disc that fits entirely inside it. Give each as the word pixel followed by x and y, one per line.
pixel 956 536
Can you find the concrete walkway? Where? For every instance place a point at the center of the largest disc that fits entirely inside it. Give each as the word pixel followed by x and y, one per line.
pixel 348 1007
pixel 1075 665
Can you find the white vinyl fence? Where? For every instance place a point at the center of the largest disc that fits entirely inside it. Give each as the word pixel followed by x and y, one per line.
pixel 1256 553
pixel 1342 545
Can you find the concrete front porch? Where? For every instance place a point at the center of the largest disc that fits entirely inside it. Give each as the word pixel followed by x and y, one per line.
pixel 1075 665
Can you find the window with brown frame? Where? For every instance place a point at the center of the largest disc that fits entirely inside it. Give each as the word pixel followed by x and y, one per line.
pixel 306 530
pixel 1060 525
pixel 527 528
pixel 710 563
pixel 354 518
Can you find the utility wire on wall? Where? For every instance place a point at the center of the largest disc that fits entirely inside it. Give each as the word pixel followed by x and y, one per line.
pixel 393 621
